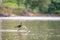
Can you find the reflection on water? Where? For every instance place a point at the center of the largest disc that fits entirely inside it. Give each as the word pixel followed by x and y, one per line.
pixel 52 34
pixel 13 36
pixel 39 30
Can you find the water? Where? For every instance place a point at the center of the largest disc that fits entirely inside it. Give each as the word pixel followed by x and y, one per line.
pixel 31 35
pixel 39 30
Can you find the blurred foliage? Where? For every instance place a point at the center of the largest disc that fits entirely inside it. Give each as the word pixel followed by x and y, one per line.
pixel 44 6
pixel 16 12
pixel 54 7
pixel 3 9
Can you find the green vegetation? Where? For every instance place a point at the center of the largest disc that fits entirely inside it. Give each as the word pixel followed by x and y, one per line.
pixel 39 6
pixel 54 7
pixel 14 5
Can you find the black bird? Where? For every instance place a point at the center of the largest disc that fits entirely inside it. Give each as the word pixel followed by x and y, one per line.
pixel 19 26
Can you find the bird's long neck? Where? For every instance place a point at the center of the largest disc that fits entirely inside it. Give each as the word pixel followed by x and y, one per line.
pixel 21 23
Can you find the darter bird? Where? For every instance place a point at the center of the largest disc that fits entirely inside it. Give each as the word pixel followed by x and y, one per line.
pixel 19 26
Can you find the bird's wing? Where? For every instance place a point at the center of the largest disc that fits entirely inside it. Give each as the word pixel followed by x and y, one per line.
pixel 24 27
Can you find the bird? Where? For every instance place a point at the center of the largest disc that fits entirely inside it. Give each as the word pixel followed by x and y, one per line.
pixel 19 26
